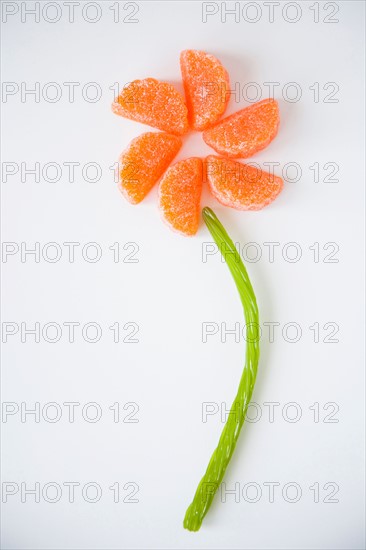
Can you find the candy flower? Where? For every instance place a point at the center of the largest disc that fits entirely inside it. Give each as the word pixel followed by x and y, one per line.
pixel 147 161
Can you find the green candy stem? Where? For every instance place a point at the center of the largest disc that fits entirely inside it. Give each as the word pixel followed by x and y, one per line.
pixel 222 454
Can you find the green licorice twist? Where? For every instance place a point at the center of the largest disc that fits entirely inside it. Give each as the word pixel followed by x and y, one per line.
pixel 222 454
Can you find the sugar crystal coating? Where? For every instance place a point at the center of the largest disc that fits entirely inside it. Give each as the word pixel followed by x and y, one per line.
pixel 206 87
pixel 143 163
pixel 240 185
pixel 180 195
pixel 246 132
pixel 155 103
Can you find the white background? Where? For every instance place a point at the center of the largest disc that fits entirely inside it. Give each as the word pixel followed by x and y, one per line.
pixel 170 292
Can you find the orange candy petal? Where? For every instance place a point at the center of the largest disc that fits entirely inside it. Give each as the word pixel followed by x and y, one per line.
pixel 206 86
pixel 241 186
pixel 155 103
pixel 144 162
pixel 246 132
pixel 180 195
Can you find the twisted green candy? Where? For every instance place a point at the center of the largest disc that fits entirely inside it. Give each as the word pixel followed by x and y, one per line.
pixel 222 454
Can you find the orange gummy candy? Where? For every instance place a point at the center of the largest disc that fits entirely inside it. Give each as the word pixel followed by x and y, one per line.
pixel 180 195
pixel 206 86
pixel 144 162
pixel 246 132
pixel 155 103
pixel 241 186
